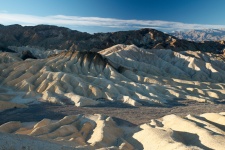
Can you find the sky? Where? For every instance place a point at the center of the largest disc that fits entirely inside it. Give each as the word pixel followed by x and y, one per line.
pixel 115 15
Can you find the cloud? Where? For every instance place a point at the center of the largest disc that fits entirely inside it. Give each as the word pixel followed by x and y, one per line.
pixel 76 21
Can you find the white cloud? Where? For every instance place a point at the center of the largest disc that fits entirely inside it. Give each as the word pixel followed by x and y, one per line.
pixel 61 20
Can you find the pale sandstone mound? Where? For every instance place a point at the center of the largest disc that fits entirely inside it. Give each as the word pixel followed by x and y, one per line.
pixel 6 57
pixel 13 142
pixel 102 132
pixel 121 73
pixel 170 75
pixel 11 99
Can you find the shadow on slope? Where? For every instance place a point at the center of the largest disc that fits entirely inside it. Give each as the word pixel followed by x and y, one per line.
pixel 189 139
pixel 34 112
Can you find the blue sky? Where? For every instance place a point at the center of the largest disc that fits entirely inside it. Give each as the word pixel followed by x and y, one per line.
pixel 113 15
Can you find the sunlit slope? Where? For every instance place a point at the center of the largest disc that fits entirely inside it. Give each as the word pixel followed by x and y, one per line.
pixel 121 73
pixel 98 131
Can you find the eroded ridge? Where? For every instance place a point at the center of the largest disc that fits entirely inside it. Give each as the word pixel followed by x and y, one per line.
pixel 122 73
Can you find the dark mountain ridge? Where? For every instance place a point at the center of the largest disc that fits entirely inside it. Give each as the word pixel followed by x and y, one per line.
pixel 53 37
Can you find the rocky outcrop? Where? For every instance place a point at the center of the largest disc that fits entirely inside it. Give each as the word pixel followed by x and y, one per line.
pixel 201 35
pixel 27 54
pixel 205 131
pixel 52 37
pixel 6 57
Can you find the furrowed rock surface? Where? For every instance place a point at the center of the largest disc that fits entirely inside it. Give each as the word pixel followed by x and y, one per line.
pixel 125 74
pixel 205 131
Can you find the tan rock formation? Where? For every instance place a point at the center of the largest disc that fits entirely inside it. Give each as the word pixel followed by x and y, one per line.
pixel 125 74
pixel 101 132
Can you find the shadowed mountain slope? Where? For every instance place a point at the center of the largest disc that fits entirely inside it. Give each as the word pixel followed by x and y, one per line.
pixel 53 37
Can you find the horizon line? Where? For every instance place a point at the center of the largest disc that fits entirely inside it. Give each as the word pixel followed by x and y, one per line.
pixel 92 23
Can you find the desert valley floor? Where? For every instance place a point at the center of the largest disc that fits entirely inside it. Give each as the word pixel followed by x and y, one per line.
pixel 124 113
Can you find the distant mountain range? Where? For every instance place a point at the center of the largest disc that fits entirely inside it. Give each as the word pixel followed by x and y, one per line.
pixel 50 37
pixel 201 35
